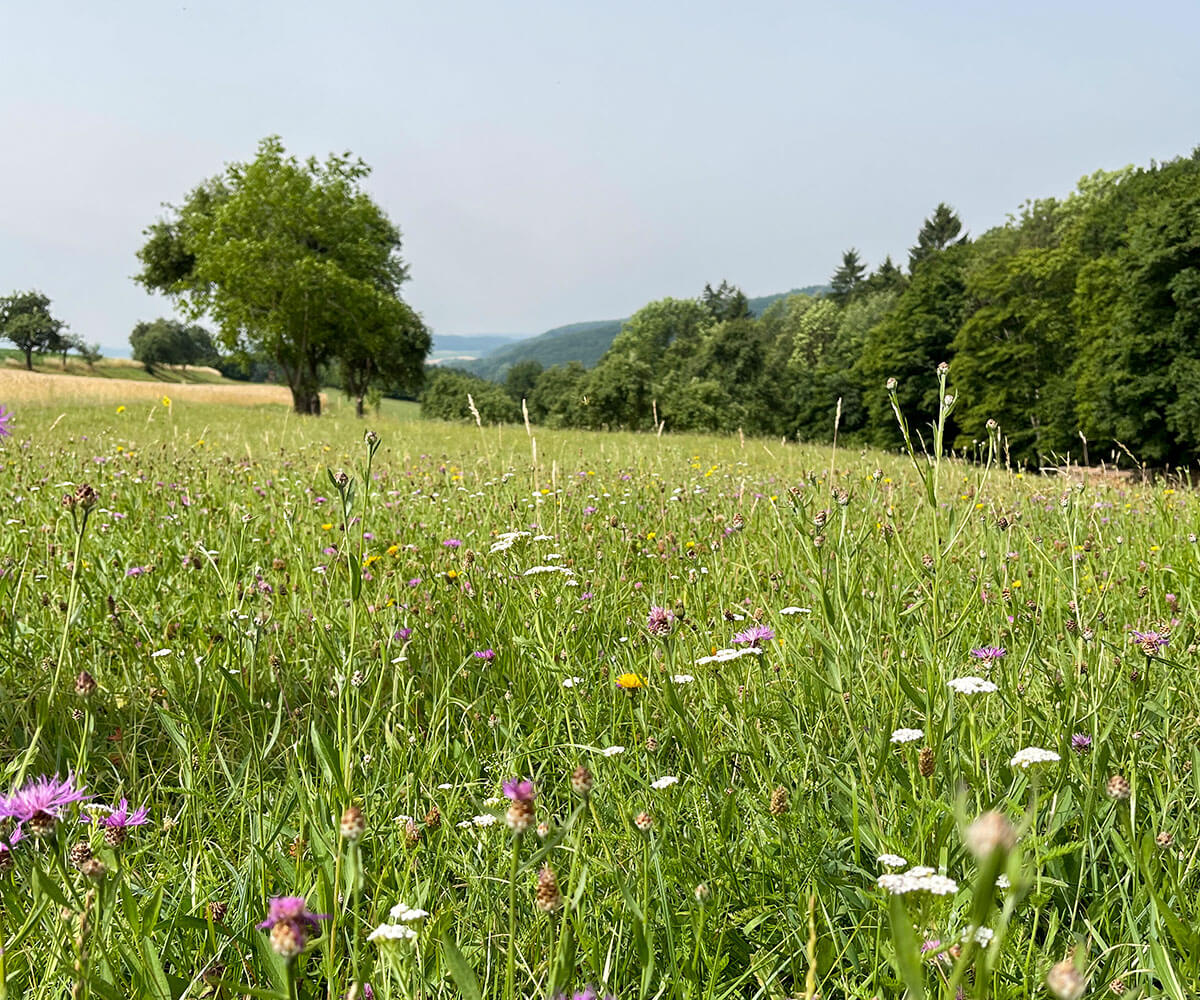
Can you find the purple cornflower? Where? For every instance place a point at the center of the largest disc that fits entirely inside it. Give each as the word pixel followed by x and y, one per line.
pixel 120 818
pixel 452 543
pixel 8 843
pixel 290 923
pixel 402 634
pixel 138 570
pixel 1081 743
pixel 518 789
pixel 41 802
pixel 587 595
pixel 415 582
pixel 1151 641
pixel 485 654
pixel 660 621
pixel 755 635
pixel 589 510
pixel 5 419
pixel 989 653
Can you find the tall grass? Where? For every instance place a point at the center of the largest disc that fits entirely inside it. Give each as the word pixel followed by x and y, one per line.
pixel 273 645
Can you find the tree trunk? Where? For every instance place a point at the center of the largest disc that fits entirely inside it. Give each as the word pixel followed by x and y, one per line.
pixel 306 397
pixel 359 410
pixel 29 359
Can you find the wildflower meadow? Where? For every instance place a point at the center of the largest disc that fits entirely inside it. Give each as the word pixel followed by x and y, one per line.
pixel 467 711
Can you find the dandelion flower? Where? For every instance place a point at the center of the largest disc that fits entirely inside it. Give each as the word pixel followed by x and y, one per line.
pixel 630 682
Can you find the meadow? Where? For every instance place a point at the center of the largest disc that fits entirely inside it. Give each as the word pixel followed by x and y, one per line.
pixel 456 711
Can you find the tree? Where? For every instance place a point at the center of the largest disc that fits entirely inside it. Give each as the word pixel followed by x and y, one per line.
pixel 25 320
pixel 292 260
pixel 522 378
pixel 939 231
pixel 386 352
pixel 848 276
pixel 725 302
pixel 90 352
pixel 170 342
pixel 448 396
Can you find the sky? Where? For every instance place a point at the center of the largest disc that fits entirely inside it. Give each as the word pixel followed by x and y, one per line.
pixel 555 162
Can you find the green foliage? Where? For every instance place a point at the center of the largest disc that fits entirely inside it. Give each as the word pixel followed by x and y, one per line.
pixel 939 231
pixel 170 342
pixel 521 379
pixel 295 261
pixel 448 395
pixel 848 276
pixel 25 321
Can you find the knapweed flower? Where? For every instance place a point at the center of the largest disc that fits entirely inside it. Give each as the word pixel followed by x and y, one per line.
pixel 971 685
pixel 484 654
pixel 290 924
pixel 989 653
pixel 908 735
pixel 5 420
pixel 1081 743
pixel 7 843
pixel 41 802
pixel 755 636
pixel 990 832
pixel 452 543
pixel 116 823
pixel 1152 641
pixel 660 621
pixel 1025 759
pixel 630 682
pixel 520 794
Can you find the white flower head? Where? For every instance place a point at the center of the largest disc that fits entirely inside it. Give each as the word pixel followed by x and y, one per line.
pixel 891 861
pixel 908 735
pixel 406 914
pixel 666 781
pixel 795 611
pixel 570 682
pixel 484 819
pixel 971 685
pixel 1026 758
pixel 392 932
pixel 612 751
pixel 682 678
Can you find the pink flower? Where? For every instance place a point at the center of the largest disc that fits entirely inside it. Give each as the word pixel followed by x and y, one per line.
pixel 518 789
pixel 756 635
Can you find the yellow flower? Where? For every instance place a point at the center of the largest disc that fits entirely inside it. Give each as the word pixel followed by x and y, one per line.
pixel 166 401
pixel 326 527
pixel 121 408
pixel 650 536
pixel 630 682
pixel 393 550
pixel 452 574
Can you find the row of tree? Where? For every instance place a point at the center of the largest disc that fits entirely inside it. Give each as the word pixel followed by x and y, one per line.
pixel 28 324
pixel 1075 325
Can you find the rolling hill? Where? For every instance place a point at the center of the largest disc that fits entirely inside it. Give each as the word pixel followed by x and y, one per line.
pixel 583 342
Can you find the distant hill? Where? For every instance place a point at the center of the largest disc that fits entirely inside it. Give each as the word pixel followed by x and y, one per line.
pixel 458 346
pixel 582 342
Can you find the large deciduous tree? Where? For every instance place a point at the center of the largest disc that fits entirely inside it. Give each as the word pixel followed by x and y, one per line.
pixel 292 259
pixel 25 320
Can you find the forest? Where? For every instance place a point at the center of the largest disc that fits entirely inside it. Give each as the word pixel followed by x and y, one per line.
pixel 1075 326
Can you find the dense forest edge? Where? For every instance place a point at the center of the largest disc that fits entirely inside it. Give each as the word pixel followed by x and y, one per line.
pixel 1075 326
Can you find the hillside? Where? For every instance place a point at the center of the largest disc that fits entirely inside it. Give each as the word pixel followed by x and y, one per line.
pixel 583 342
pixel 457 346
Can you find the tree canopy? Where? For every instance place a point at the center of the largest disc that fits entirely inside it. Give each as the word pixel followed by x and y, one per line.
pixel 293 260
pixel 26 321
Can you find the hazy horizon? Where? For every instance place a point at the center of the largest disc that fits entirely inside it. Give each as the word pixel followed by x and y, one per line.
pixel 555 164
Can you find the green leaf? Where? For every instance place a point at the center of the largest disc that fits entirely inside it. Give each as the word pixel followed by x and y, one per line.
pixel 462 973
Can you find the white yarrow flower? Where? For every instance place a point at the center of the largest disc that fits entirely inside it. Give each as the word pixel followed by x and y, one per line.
pixel 570 682
pixel 908 735
pixel 796 611
pixel 891 861
pixel 666 781
pixel 682 678
pixel 1026 758
pixel 407 914
pixel 392 932
pixel 971 685
pixel 612 751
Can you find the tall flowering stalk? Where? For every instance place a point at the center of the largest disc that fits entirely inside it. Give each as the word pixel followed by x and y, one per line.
pixel 520 794
pixel 79 504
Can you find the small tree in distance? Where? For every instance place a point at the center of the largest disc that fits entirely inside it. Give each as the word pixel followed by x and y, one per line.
pixel 25 320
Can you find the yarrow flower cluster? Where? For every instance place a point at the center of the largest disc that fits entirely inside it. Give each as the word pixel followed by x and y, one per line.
pixel 725 655
pixel 971 685
pixel 917 879
pixel 1025 759
pixel 907 735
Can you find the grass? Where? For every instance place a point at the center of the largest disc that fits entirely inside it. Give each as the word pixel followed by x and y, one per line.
pixel 271 648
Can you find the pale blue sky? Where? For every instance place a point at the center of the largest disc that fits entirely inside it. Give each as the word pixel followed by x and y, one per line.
pixel 553 162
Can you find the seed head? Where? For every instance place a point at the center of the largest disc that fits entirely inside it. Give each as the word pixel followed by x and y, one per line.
pixel 433 818
pixel 1065 981
pixel 519 816
pixel 412 834
pixel 581 781
pixel 85 684
pixel 926 762
pixel 701 893
pixel 94 869
pixel 989 833
pixel 549 898
pixel 353 823
pixel 216 910
pixel 287 940
pixel 643 821
pixel 779 802
pixel 80 854
pixel 1165 839
pixel 1118 787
